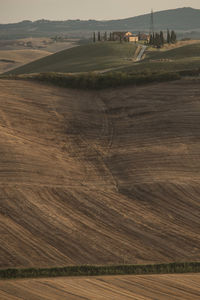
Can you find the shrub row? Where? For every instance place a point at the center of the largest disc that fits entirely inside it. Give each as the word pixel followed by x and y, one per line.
pixel 97 81
pixel 106 80
pixel 194 72
pixel 102 81
pixel 87 270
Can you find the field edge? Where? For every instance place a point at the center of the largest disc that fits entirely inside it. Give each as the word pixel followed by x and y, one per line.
pixel 95 270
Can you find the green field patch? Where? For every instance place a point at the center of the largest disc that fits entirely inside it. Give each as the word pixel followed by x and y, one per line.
pixel 85 58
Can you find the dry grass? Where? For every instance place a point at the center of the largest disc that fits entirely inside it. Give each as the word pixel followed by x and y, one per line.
pixel 151 287
pixel 15 53
pixel 10 59
pixel 178 44
pixel 99 177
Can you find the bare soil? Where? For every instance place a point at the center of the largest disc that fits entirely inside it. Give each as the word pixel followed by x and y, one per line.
pixel 150 287
pixel 99 177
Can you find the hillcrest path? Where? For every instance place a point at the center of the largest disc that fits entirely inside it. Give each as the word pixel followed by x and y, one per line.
pixel 139 57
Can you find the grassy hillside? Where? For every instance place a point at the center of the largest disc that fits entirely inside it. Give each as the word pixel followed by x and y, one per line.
pixel 10 59
pixel 104 177
pixel 181 58
pixel 84 58
pixel 184 52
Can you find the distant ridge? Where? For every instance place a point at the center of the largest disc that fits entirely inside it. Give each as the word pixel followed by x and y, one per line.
pixel 182 19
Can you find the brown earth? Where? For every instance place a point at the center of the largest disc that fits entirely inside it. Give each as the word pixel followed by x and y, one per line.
pixel 162 287
pixel 99 177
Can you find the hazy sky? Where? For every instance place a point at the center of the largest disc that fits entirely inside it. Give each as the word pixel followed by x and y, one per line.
pixel 17 10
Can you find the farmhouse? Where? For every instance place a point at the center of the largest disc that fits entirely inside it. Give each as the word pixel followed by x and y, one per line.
pixel 125 36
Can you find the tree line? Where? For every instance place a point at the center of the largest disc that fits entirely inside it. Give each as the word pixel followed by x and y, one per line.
pixel 158 39
pixel 99 37
pixel 87 270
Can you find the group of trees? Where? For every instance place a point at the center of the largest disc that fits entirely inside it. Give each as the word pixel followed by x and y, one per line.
pixel 99 37
pixel 158 39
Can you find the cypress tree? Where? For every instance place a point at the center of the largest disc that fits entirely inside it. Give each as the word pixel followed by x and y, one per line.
pixel 162 40
pixel 150 39
pixel 157 41
pixel 94 37
pixel 99 36
pixel 173 37
pixel 168 37
pixel 153 39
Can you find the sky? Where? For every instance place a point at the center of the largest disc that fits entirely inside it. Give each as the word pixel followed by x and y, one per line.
pixel 18 10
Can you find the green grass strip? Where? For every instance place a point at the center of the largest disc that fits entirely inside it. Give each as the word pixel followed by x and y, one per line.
pixel 96 81
pixel 87 270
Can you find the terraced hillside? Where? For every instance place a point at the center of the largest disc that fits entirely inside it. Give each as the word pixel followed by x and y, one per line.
pixel 102 177
pixel 149 287
pixel 90 57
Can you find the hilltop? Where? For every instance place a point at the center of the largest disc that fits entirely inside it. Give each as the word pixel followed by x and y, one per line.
pixel 107 56
pixel 90 57
pixel 181 19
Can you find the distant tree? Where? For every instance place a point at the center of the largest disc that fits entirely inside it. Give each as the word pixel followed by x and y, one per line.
pixel 168 37
pixel 151 39
pixel 162 39
pixel 99 36
pixel 94 37
pixel 173 37
pixel 157 41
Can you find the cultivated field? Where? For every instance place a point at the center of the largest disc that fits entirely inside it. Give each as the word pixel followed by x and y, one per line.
pixel 151 287
pixel 10 59
pixel 85 58
pixel 16 53
pixel 92 177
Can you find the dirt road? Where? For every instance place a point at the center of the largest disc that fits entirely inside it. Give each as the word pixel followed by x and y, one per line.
pixel 141 53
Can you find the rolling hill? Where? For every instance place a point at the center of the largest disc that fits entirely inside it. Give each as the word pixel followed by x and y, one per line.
pixel 149 287
pixel 186 57
pixel 184 52
pixel 90 57
pixel 11 59
pixel 181 19
pixel 104 177
pixel 116 56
